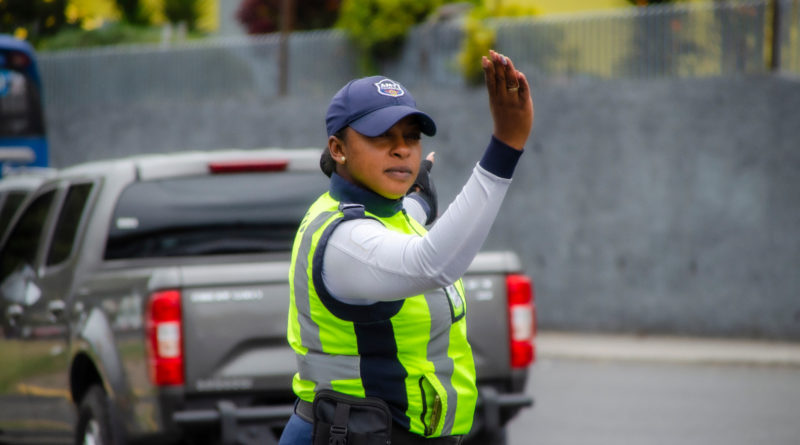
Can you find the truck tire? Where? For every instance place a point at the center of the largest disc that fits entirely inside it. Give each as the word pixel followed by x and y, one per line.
pixel 95 425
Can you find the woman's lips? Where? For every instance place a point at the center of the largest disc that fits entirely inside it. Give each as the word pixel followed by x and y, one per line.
pixel 399 173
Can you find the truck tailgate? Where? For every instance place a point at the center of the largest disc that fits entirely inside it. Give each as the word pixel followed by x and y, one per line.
pixel 487 312
pixel 234 322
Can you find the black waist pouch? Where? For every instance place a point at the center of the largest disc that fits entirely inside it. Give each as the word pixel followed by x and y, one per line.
pixel 340 419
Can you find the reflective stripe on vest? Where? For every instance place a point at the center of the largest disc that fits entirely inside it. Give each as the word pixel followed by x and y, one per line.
pixel 412 353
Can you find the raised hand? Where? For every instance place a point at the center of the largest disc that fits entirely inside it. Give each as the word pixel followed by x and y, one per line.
pixel 509 100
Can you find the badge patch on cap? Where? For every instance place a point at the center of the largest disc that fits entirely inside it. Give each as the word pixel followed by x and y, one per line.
pixel 390 88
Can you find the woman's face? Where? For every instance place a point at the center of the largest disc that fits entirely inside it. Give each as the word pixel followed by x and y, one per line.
pixel 386 164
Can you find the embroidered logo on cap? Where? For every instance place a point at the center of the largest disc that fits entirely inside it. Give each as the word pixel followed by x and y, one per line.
pixel 390 88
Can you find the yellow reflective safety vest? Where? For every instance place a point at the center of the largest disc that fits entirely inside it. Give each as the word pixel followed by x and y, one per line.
pixel 412 353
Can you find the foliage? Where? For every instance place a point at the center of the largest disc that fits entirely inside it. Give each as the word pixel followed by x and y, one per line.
pixel 264 16
pixel 32 19
pixel 182 11
pixel 133 12
pixel 110 34
pixel 649 2
pixel 479 37
pixel 378 27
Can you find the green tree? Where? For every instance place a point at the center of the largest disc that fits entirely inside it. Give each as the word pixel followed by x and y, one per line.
pixel 39 18
pixel 110 34
pixel 133 12
pixel 649 2
pixel 182 11
pixel 378 27
pixel 479 36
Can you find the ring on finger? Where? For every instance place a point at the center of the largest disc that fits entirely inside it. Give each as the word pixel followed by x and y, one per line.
pixel 514 88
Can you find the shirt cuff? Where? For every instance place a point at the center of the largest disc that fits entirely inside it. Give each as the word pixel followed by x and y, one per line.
pixel 500 159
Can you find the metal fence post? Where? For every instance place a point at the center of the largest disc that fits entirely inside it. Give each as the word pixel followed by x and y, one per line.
pixel 287 15
pixel 775 61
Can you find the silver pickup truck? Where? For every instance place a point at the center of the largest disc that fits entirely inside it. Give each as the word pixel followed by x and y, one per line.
pixel 145 300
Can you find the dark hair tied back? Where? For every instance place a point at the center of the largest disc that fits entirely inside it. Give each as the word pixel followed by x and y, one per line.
pixel 326 163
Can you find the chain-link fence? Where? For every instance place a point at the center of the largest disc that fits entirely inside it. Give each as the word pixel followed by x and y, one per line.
pixel 688 40
pixel 221 69
pixel 788 33
pixel 684 40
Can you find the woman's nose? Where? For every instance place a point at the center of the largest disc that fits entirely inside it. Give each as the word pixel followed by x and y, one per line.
pixel 401 148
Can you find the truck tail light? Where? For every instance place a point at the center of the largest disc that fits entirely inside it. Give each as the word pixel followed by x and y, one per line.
pixel 522 319
pixel 165 338
pixel 277 165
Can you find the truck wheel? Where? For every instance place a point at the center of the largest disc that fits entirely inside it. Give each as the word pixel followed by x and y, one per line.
pixel 94 419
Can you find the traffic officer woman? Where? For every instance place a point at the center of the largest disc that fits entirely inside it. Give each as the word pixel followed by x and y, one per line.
pixel 377 313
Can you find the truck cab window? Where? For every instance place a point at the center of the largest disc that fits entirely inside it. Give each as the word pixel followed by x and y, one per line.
pixel 10 205
pixel 67 225
pixel 23 241
pixel 211 215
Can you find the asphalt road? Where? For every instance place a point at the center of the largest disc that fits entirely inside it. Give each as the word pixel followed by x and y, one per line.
pixel 635 399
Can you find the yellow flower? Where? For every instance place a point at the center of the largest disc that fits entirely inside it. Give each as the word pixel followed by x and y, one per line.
pixel 92 23
pixel 72 13
pixel 21 33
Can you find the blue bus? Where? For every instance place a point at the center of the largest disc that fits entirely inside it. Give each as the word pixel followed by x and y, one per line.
pixel 23 141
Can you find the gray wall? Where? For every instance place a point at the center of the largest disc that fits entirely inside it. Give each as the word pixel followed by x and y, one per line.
pixel 658 206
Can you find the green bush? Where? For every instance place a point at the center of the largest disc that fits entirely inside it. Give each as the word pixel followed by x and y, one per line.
pixel 182 11
pixel 478 40
pixel 38 18
pixel 480 37
pixel 378 27
pixel 133 12
pixel 110 34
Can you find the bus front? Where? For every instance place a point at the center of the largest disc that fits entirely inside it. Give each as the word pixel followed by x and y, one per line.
pixel 23 142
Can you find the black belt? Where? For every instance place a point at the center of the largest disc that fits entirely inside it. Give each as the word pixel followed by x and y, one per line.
pixel 400 436
pixel 305 410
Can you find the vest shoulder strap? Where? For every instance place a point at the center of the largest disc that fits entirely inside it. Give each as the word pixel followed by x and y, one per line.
pixel 352 211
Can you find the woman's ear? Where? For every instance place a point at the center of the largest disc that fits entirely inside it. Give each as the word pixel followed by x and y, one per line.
pixel 336 148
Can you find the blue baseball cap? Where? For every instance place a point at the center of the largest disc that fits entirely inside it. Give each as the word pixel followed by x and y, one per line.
pixel 372 105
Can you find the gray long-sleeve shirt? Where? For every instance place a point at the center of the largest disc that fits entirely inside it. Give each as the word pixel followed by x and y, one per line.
pixel 392 265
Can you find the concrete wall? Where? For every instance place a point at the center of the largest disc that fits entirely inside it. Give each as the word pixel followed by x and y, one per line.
pixel 666 206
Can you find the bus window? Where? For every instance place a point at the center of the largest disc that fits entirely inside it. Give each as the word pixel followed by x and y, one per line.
pixel 19 105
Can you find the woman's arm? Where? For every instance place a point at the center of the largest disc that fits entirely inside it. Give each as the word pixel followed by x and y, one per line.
pixel 365 262
pixel 393 265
